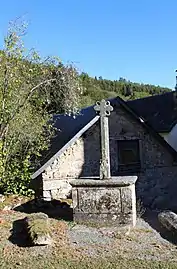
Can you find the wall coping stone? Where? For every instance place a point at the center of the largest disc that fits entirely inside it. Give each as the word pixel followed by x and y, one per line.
pixel 120 181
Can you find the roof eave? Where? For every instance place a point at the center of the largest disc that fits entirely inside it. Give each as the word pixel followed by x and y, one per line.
pixel 65 147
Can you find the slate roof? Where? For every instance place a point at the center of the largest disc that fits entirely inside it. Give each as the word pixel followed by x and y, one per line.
pixel 67 126
pixel 159 111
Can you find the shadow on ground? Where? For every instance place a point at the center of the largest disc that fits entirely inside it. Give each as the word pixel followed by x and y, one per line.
pixel 19 235
pixel 54 209
pixel 151 217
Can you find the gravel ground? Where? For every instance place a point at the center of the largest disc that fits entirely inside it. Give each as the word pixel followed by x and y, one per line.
pixel 143 241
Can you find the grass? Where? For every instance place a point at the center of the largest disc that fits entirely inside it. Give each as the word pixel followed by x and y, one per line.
pixel 56 260
pixel 63 255
pixel 14 200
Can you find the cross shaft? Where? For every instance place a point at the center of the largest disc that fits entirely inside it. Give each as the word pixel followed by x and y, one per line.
pixel 104 108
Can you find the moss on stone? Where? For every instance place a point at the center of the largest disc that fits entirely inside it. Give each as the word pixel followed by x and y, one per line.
pixel 38 227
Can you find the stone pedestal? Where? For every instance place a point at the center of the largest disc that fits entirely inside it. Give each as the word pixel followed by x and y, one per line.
pixel 107 202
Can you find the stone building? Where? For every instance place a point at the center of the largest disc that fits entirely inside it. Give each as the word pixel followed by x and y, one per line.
pixel 160 111
pixel 136 148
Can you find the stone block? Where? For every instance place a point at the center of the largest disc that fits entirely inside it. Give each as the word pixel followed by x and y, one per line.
pixel 99 199
pixel 54 194
pixel 51 185
pixel 110 201
pixel 38 229
pixel 47 195
pixel 60 189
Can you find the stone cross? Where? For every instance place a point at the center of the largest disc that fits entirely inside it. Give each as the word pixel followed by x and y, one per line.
pixel 104 108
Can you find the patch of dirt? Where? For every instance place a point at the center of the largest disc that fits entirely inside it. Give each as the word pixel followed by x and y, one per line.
pixel 145 242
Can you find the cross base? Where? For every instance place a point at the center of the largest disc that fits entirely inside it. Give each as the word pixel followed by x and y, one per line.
pixel 105 202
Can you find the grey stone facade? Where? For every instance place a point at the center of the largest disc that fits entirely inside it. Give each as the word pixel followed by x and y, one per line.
pixel 156 178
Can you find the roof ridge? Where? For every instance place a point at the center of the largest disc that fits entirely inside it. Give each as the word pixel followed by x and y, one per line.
pixel 152 96
pixel 148 127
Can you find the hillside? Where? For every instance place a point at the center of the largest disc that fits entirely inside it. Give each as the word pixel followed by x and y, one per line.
pixel 99 88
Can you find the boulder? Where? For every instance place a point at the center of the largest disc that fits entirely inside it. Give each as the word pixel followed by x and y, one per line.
pixel 38 229
pixel 168 219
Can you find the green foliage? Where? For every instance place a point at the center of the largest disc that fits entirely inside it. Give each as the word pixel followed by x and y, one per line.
pixel 31 89
pixel 17 178
pixel 99 88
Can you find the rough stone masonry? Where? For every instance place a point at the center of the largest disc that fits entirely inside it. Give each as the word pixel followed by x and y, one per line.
pixel 156 182
pixel 107 199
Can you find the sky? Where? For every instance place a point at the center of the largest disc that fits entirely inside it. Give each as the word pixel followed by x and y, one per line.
pixel 133 39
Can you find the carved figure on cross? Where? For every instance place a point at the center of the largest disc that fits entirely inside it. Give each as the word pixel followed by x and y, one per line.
pixel 104 109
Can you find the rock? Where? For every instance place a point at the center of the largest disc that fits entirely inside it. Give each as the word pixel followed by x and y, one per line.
pixel 38 229
pixel 43 240
pixel 2 198
pixel 168 219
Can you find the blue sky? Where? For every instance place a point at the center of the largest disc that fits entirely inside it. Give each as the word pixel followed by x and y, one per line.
pixel 134 39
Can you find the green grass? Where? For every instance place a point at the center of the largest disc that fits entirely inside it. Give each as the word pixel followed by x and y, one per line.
pixel 59 262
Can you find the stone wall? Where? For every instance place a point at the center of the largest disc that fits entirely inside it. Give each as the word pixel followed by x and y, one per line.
pixel 69 164
pixel 156 187
pixel 122 127
pixel 56 189
pixel 81 159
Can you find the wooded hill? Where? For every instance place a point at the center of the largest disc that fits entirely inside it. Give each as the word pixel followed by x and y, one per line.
pixel 98 88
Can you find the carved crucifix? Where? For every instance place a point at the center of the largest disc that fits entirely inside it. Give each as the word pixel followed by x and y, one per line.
pixel 104 108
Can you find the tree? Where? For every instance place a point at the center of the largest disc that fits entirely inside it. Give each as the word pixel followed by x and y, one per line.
pixel 31 90
pixel 96 89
